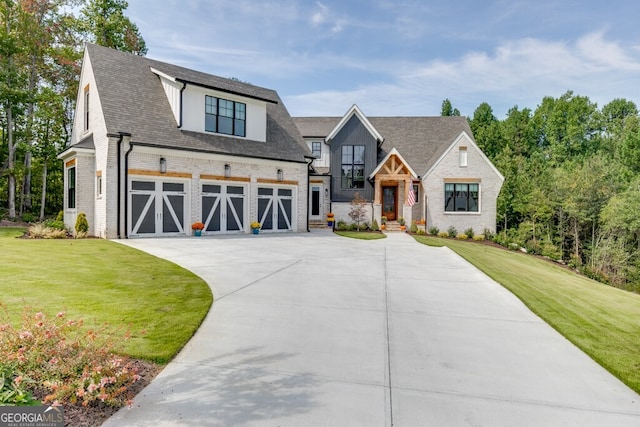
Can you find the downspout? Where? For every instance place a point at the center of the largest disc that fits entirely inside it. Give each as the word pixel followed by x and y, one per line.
pixel 308 191
pixel 120 137
pixel 126 190
pixel 184 85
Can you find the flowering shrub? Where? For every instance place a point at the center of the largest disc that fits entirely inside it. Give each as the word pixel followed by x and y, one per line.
pixel 255 224
pixel 197 225
pixel 65 362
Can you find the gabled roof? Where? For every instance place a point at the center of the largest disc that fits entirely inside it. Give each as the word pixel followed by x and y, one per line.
pixel 133 100
pixel 393 152
pixel 354 111
pixel 420 140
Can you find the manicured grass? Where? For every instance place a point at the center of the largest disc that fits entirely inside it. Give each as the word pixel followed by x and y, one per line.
pixel 101 281
pixel 601 320
pixel 362 235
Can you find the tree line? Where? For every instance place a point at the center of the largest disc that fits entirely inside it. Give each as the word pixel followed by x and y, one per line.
pixel 572 182
pixel 41 45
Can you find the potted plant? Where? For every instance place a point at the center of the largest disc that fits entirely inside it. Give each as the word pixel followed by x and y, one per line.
pixel 402 223
pixel 330 219
pixel 255 227
pixel 197 228
pixel 383 222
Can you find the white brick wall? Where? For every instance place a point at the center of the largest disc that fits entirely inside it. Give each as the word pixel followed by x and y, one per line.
pixel 478 167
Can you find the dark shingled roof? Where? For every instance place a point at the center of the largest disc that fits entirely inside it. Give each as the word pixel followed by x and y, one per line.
pixel 420 140
pixel 134 101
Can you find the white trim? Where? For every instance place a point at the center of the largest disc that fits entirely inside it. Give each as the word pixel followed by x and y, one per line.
pixel 392 152
pixel 161 74
pixel 463 134
pixel 354 110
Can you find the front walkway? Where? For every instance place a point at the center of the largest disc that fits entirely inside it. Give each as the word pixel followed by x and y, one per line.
pixel 316 329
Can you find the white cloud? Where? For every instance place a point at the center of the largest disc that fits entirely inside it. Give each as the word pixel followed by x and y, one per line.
pixel 320 15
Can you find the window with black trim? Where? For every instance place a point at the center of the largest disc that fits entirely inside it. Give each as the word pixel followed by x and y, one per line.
pixel 225 116
pixel 416 193
pixel 352 166
pixel 316 149
pixel 71 187
pixel 461 197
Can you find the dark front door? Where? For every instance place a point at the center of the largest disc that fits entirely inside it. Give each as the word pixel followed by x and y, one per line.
pixel 389 202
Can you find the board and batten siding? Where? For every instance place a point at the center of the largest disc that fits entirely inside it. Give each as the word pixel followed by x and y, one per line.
pixel 353 133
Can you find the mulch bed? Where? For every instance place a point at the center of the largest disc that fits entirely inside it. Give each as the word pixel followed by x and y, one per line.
pixel 96 414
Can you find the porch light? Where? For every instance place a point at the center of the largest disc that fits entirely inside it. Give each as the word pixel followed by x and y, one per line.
pixel 227 170
pixel 280 175
pixel 163 165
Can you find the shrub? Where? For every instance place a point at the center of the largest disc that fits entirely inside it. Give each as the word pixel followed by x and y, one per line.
pixel 462 236
pixel 478 237
pixel 401 221
pixel 434 230
pixel 12 388
pixel 421 232
pixel 374 225
pixel 443 234
pixel 60 216
pixel 41 231
pixel 82 225
pixel 452 231
pixel 54 223
pixel 414 227
pixel 469 232
pixel 68 363
pixel 341 226
pixel 28 217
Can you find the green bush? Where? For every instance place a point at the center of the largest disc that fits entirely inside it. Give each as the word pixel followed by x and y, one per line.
pixel 28 217
pixel 82 225
pixel 434 230
pixel 443 234
pixel 478 237
pixel 374 225
pixel 341 226
pixel 421 232
pixel 469 232
pixel 12 388
pixel 462 236
pixel 452 231
pixel 414 227
pixel 60 216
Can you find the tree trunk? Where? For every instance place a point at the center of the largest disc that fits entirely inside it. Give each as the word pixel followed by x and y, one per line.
pixel 11 162
pixel 43 199
pixel 25 201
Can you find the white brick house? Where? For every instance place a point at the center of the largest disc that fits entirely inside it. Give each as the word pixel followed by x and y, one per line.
pixel 156 147
pixel 385 158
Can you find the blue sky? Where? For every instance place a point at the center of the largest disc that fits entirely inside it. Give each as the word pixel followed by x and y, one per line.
pixel 403 57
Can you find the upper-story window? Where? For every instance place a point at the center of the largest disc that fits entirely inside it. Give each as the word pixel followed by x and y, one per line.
pixel 316 149
pixel 462 156
pixel 86 107
pixel 224 116
pixel 352 166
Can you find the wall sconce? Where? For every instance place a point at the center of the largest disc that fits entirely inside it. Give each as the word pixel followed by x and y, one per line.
pixel 227 170
pixel 280 175
pixel 163 165
pixel 326 192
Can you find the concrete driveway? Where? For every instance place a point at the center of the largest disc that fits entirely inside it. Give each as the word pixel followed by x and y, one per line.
pixel 317 330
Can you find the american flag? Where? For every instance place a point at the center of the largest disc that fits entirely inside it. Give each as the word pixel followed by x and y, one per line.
pixel 411 197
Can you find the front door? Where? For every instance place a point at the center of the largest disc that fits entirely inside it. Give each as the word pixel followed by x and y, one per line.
pixel 389 202
pixel 315 202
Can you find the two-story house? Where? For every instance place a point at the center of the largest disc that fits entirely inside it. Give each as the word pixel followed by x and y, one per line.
pixel 419 168
pixel 156 147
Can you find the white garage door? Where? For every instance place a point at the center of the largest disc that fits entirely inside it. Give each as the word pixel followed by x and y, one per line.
pixel 275 208
pixel 223 207
pixel 157 208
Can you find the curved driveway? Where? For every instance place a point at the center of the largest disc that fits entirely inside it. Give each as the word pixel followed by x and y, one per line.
pixel 317 330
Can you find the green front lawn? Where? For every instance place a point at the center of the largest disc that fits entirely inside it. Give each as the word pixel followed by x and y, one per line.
pixel 101 281
pixel 601 320
pixel 362 235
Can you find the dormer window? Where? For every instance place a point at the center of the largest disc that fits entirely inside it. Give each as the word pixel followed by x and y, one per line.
pixel 225 116
pixel 316 149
